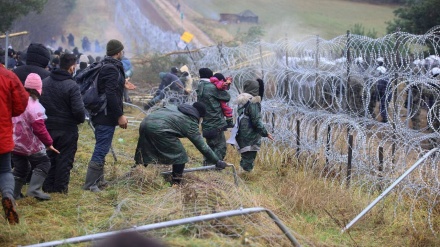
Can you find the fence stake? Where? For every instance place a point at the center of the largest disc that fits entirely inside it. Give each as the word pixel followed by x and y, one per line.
pixel 350 157
pixel 298 137
pixel 327 148
pixel 380 168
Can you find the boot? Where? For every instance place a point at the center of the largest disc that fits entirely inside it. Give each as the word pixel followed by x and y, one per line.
pixel 177 178
pixel 19 182
pixel 177 173
pixel 34 189
pixel 8 204
pixel 95 172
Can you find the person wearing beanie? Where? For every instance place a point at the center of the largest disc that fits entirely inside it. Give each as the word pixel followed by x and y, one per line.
pixel 63 117
pixel 250 128
pixel 15 99
pixel 37 61
pixel 214 123
pixel 222 84
pixel 111 83
pixel 31 141
pixel 114 47
pixel 159 135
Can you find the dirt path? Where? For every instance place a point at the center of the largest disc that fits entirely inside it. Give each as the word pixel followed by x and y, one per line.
pixel 200 38
pixel 154 16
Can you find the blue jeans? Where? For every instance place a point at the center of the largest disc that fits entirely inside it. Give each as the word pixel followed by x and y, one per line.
pixel 5 163
pixel 6 177
pixel 104 136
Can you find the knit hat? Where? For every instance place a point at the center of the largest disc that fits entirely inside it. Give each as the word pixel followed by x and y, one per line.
pixel 174 70
pixel 205 73
pixel 113 47
pixel 251 87
pixel 33 81
pixel 37 55
pixel 219 76
pixel 200 108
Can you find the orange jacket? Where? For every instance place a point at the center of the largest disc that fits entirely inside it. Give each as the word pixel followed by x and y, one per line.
pixel 13 102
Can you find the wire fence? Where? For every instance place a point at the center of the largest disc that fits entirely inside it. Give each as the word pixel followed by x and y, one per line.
pixel 358 110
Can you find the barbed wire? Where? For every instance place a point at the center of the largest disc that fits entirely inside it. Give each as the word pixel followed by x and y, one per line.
pixel 331 88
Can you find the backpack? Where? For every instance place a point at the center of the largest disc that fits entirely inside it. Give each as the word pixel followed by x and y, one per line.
pixel 88 84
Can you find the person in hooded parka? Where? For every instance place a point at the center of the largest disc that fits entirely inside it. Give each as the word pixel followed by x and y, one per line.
pixel 159 135
pixel 250 126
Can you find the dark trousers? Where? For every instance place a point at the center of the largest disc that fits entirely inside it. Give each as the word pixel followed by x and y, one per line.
pixel 66 141
pixel 24 164
pixel 218 145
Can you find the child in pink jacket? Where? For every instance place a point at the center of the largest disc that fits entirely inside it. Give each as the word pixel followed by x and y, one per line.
pixel 222 83
pixel 31 141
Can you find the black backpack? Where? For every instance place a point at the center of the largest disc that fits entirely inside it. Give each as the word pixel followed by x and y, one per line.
pixel 88 84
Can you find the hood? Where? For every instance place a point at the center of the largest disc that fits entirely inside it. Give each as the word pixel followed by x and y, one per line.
pixel 243 98
pixel 189 110
pixel 37 55
pixel 251 87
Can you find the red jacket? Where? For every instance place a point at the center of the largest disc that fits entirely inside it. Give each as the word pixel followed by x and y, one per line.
pixel 13 102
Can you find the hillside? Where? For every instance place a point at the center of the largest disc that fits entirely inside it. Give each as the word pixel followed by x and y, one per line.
pixel 297 18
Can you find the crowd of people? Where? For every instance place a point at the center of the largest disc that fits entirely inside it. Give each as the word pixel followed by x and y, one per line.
pixel 44 106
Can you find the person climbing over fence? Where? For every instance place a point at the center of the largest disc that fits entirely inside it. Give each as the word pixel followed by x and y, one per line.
pixel 170 83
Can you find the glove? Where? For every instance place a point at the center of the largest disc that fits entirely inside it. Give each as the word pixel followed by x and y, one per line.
pixel 230 123
pixel 220 165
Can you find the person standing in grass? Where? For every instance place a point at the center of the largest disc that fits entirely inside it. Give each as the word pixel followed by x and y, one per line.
pixel 13 102
pixel 214 123
pixel 31 141
pixel 65 110
pixel 111 82
pixel 250 126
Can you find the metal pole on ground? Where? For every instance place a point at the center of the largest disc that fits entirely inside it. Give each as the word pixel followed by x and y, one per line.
pixel 388 190
pixel 172 223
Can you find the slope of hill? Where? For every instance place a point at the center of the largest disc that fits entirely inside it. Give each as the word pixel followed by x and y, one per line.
pixel 297 18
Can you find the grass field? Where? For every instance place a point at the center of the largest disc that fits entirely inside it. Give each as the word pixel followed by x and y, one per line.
pixel 300 18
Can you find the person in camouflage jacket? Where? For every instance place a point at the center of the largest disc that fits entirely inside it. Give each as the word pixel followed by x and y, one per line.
pixel 214 123
pixel 250 126
pixel 159 135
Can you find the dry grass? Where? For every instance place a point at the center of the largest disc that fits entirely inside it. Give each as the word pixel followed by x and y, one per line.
pixel 314 209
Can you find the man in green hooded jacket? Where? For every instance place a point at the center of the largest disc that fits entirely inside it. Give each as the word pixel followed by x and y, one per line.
pixel 159 135
pixel 214 123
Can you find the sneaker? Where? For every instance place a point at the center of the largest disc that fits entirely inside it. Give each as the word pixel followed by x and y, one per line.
pixel 9 208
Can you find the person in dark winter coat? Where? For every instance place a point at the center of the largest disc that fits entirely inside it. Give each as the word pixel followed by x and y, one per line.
pixel 37 59
pixel 31 141
pixel 169 83
pixel 15 99
pixel 214 123
pixel 64 110
pixel 159 135
pixel 250 126
pixel 111 82
pixel 71 39
pixel 222 83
